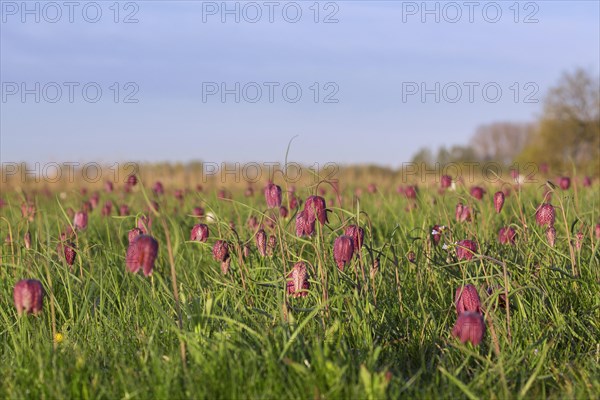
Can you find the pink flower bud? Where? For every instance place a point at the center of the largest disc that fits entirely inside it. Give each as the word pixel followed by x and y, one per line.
pixel 249 192
pixel 410 192
pixel 252 223
pixel 462 213
pixel 458 211
pixel 95 200
pixel 27 240
pixel 303 225
pixel 372 188
pixel 436 234
pixel 469 327
pixel 283 212
pixel 551 236
pixel 220 250
pixel 374 268
pixel 315 208
pixel 107 208
pixel 297 281
pixel 343 250
pixel 506 235
pixel 261 242
pixel 158 188
pixel 465 249
pixel 124 210
pixel 108 187
pixel 66 249
pixel 199 233
pixel 271 245
pixel 597 231
pixel 587 181
pixel 198 212
pixel 132 180
pixel 446 181
pixel 223 194
pixel 80 220
pixel 179 194
pixel 477 192
pixel 246 251
pixel 86 206
pixel 273 195
pixel 221 253
pixel 545 214
pixel 294 202
pixel 564 182
pixel 29 296
pixel 28 211
pixel 498 201
pixel 357 234
pixel 467 299
pixel 579 240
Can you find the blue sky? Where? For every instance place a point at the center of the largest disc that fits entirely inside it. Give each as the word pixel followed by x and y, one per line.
pixel 370 57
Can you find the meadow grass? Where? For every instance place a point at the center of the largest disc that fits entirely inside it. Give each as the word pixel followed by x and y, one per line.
pixel 362 333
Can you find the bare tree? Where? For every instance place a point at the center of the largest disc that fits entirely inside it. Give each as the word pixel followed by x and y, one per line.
pixel 501 141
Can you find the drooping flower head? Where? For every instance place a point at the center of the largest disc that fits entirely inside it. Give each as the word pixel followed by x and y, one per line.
pixel 132 180
pixel 477 192
pixel 297 281
pixel 469 327
pixel 315 208
pixel 221 253
pixel 465 249
pixel 357 234
pixel 273 195
pixel 410 192
pixel 506 235
pixel 158 188
pixel 107 208
pixel 445 181
pixel 436 233
pixel 587 181
pixel 303 226
pixel 28 295
pixel 564 182
pixel 199 233
pixel 142 253
pixel 343 250
pixel 66 249
pixel 545 214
